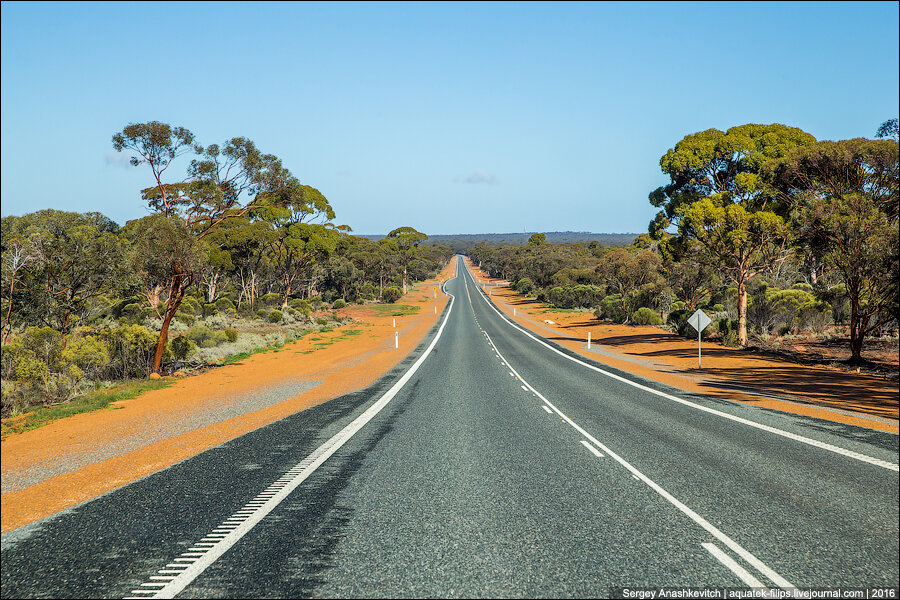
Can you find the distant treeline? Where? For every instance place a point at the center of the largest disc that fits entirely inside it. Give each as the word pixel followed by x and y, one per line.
pixel 460 242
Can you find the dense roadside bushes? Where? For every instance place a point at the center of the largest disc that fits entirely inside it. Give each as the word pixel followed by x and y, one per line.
pixel 66 333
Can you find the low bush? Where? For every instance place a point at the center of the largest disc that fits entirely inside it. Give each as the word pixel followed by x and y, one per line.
pixel 302 306
pixel 391 294
pixel 224 304
pixel 339 303
pixel 271 300
pixel 367 291
pixel 231 334
pixel 524 286
pixel 646 316
pixel 183 347
pixel 205 337
pixel 611 308
pixel 276 316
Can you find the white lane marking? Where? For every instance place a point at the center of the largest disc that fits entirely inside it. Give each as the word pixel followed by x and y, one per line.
pixel 587 445
pixel 547 408
pixel 799 438
pixel 524 388
pixel 732 565
pixel 719 535
pixel 273 499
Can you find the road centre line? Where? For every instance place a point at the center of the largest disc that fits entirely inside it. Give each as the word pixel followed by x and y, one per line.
pixel 273 499
pixel 722 537
pixel 732 565
pixel 587 445
pixel 793 436
pixel 547 408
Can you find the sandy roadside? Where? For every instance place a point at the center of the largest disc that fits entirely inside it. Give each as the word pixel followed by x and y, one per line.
pixel 651 352
pixel 73 460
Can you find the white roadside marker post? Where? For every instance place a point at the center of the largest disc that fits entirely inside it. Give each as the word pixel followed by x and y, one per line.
pixel 514 312
pixel 396 339
pixel 699 320
pixel 394 320
pixel 589 340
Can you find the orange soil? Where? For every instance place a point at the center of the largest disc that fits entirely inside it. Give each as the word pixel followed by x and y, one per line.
pixel 656 354
pixel 349 363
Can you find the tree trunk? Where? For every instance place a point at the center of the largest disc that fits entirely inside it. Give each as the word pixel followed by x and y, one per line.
pixel 211 288
pixel 287 294
pixel 742 313
pixel 163 338
pixel 178 288
pixel 857 328
pixel 404 280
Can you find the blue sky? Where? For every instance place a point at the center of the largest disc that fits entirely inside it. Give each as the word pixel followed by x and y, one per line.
pixel 451 118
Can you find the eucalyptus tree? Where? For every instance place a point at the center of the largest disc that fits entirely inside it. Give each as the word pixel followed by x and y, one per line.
pixel 407 240
pixel 300 235
pixel 16 258
pixel 222 183
pixel 844 195
pixel 74 262
pixel 715 197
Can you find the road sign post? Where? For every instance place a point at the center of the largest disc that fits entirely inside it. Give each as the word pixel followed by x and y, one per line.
pixel 699 320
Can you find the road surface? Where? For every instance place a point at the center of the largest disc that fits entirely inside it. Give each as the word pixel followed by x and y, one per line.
pixel 489 463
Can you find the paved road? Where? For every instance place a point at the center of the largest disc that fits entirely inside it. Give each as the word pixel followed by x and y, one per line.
pixel 502 466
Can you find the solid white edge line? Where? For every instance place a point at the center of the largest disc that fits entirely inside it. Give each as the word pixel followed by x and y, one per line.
pixel 314 460
pixel 745 554
pixel 799 438
pixel 732 565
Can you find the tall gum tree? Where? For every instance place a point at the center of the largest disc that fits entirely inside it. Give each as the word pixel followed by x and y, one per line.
pixel 223 182
pixel 844 195
pixel 407 240
pixel 715 197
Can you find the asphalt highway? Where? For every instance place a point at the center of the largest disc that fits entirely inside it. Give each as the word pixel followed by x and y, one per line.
pixel 490 463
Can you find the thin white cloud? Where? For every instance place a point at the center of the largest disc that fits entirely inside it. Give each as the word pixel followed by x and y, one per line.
pixel 477 176
pixel 117 159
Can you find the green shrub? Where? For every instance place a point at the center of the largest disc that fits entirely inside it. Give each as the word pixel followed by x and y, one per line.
pixel 389 295
pixel 301 306
pixel 524 285
pixel 322 321
pixel 205 337
pixel 575 296
pixel 611 308
pixel 262 314
pixel 190 305
pixel 677 305
pixel 728 329
pixel 646 316
pixel 131 349
pixel 271 300
pixel 183 347
pixel 367 291
pixel 678 321
pixel 185 318
pixel 133 310
pixel 231 334
pixel 276 316
pixel 340 303
pixel 209 310
pixel 90 354
pixel 224 304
